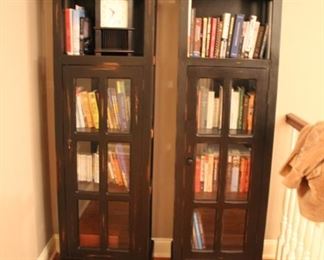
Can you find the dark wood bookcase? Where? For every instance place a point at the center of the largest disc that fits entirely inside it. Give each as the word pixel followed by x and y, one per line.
pixel 223 157
pixel 104 116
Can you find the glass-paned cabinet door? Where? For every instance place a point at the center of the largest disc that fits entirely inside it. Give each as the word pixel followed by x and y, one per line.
pixel 206 172
pixel 86 104
pixel 238 172
pixel 209 106
pixel 242 106
pixel 118 105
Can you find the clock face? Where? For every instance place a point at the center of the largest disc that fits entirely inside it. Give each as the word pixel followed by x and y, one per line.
pixel 114 13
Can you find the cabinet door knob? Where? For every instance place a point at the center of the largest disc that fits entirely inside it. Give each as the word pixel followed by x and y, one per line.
pixel 189 161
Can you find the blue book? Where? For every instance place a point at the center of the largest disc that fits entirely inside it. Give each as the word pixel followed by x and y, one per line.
pixel 239 19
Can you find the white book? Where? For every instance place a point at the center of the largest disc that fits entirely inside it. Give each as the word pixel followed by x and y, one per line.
pixel 89 175
pixel 235 100
pixel 76 32
pixel 79 169
pixel 210 109
pixel 95 167
pixel 235 172
pixel 204 37
pixel 79 111
pixel 216 113
pixel 220 106
pixel 249 35
pixel 225 32
pixel 255 35
pixel 111 173
pixel 208 187
pixel 245 29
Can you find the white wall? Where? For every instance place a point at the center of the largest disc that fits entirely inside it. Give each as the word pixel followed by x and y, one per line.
pixel 25 217
pixel 300 89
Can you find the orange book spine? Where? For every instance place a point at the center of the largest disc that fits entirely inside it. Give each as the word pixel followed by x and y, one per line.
pixel 197 175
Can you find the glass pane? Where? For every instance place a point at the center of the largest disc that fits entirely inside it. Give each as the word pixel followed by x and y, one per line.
pixel 119 105
pixel 88 166
pixel 233 229
pixel 89 223
pixel 86 105
pixel 203 229
pixel 242 107
pixel 209 106
pixel 118 167
pixel 206 172
pixel 238 172
pixel 118 225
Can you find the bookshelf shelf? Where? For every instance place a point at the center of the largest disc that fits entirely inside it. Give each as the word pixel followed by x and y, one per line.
pixel 104 86
pixel 227 77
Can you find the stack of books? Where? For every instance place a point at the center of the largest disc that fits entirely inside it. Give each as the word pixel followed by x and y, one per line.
pixel 88 167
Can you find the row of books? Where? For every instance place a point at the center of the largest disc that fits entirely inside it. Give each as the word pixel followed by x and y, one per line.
pixel 206 172
pixel 228 36
pixel 118 165
pixel 209 105
pixel 119 106
pixel 87 115
pixel 242 108
pixel 238 171
pixel 198 241
pixel 88 167
pixel 77 31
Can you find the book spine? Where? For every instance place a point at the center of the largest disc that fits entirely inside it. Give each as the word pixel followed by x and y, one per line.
pixel 243 172
pixel 254 39
pixel 208 36
pixel 215 174
pixel 86 109
pixel 239 19
pixel 212 37
pixel 68 31
pixel 264 41
pixel 192 31
pixel 240 109
pixel 202 171
pixel 218 37
pixel 268 52
pixel 76 32
pixel 210 109
pixel 197 45
pixel 197 175
pixel 235 173
pixel 258 43
pixel 204 37
pixel 94 108
pixel 225 32
pixel 230 36
pixel 250 112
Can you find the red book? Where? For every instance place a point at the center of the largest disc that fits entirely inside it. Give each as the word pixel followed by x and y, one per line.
pixel 68 31
pixel 247 177
pixel 212 37
pixel 243 173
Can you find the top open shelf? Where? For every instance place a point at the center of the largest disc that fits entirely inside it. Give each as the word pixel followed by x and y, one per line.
pixel 103 27
pixel 239 29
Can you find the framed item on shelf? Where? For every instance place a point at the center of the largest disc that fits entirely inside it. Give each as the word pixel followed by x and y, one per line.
pixel 114 13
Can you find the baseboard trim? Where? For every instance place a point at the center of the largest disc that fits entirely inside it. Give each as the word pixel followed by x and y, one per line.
pixel 162 247
pixel 269 249
pixel 51 248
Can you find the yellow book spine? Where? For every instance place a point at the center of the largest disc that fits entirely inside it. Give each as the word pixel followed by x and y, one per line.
pixel 94 109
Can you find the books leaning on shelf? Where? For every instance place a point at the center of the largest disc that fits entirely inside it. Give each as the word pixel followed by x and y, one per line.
pixel 77 31
pixel 228 36
pixel 242 109
pixel 238 171
pixel 198 236
pixel 118 166
pixel 87 114
pixel 88 167
pixel 118 107
pixel 209 105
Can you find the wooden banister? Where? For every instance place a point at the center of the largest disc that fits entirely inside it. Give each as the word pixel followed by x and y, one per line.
pixel 295 121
